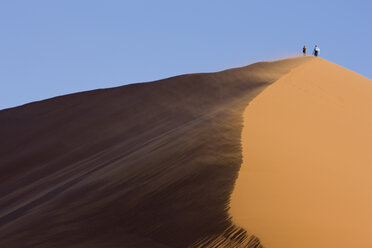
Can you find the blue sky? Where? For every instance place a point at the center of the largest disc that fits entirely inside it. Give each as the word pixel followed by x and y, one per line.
pixel 50 47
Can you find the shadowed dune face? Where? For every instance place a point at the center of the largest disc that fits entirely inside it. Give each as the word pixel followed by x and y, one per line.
pixel 143 165
pixel 307 160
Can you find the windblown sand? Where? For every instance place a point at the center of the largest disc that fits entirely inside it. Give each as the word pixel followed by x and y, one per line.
pixel 306 178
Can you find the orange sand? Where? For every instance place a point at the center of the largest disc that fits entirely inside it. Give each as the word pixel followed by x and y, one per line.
pixel 306 178
pixel 153 165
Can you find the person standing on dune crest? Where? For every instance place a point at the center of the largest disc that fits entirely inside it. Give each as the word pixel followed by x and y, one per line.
pixel 304 50
pixel 316 51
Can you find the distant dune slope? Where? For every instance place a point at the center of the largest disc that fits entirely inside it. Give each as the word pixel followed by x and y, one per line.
pixel 143 165
pixel 307 160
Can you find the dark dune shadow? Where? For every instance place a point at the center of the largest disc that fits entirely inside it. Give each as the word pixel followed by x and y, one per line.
pixel 143 165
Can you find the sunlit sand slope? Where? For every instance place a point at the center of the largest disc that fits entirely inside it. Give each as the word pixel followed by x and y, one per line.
pixel 306 178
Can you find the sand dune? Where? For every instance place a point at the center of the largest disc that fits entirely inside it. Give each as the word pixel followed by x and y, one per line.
pixel 143 165
pixel 279 150
pixel 307 160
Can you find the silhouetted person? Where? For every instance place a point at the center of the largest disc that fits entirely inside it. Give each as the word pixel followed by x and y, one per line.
pixel 316 51
pixel 304 50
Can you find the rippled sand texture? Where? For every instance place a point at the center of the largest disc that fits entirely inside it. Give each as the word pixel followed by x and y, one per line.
pixel 306 178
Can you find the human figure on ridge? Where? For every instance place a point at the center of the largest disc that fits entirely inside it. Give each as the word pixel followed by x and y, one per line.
pixel 304 50
pixel 316 51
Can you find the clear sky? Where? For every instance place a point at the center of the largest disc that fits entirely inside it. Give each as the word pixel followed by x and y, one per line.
pixel 51 47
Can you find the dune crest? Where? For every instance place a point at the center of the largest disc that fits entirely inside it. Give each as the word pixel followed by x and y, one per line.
pixel 306 175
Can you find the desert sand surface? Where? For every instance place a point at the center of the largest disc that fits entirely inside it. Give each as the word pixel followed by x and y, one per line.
pixel 306 177
pixel 143 165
